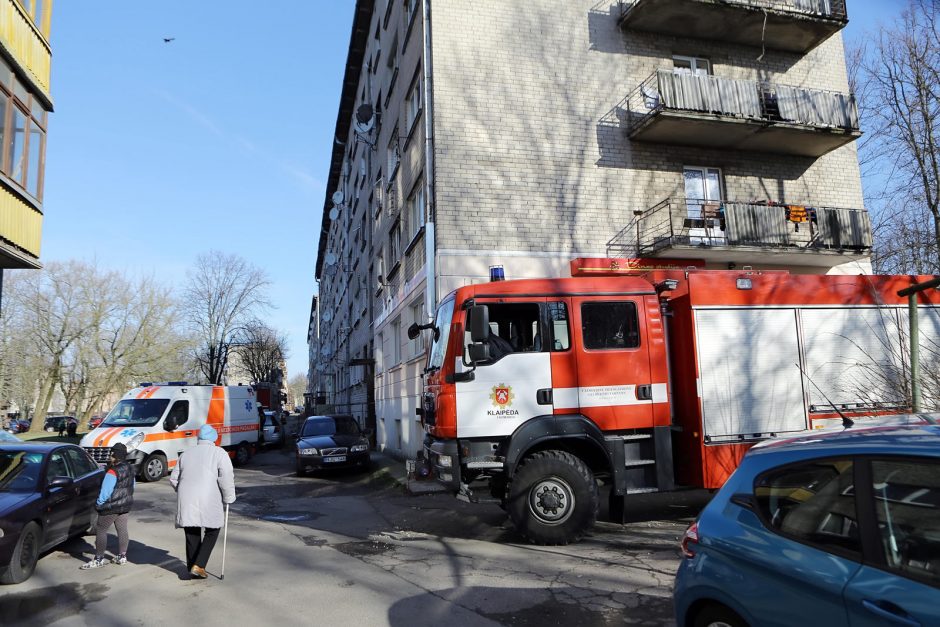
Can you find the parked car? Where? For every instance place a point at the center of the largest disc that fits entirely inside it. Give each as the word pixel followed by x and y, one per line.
pixel 19 426
pixel 57 423
pixel 272 430
pixel 331 442
pixel 94 422
pixel 47 495
pixel 836 528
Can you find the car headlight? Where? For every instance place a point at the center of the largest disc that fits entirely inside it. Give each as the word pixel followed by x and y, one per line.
pixel 307 451
pixel 136 441
pixel 358 448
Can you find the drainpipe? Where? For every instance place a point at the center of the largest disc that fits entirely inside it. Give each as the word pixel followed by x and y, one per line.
pixel 430 245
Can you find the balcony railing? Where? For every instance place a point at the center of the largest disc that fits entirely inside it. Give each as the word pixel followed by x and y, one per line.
pixel 699 109
pixel 790 25
pixel 677 223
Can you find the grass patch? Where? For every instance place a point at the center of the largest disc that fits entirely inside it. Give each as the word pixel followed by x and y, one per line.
pixel 51 437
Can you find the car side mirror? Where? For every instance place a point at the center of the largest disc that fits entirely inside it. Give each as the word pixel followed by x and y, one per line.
pixel 60 482
pixel 479 323
pixel 170 423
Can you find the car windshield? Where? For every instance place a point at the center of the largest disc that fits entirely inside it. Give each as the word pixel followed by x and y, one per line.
pixel 19 470
pixel 330 426
pixel 136 412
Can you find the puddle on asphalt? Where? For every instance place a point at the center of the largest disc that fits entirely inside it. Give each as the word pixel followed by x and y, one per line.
pixel 363 549
pixel 47 605
pixel 290 516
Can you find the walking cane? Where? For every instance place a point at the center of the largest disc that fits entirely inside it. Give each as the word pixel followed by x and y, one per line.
pixel 224 541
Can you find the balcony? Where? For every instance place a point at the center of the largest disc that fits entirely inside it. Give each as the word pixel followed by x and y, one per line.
pixel 788 25
pixel 735 114
pixel 746 232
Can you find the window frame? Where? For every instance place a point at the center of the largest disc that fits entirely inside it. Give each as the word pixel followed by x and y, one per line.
pixel 593 303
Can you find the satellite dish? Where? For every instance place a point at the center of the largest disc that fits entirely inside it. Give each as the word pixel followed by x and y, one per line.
pixel 334 213
pixel 338 197
pixel 330 259
pixel 327 315
pixel 365 118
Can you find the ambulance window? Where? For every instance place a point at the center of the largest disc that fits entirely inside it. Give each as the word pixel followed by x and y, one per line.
pixel 180 412
pixel 610 325
pixel 558 315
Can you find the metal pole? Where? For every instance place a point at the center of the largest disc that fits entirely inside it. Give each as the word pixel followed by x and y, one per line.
pixel 224 543
pixel 915 351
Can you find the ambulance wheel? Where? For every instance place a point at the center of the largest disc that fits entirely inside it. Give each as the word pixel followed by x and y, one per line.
pixel 154 468
pixel 242 454
pixel 553 498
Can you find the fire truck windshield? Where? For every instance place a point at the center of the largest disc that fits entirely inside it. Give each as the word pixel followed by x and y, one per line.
pixel 445 314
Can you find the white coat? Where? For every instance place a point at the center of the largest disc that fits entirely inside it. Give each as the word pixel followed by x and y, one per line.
pixel 203 480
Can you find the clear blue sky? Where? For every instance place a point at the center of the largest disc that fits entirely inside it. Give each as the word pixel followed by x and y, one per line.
pixel 221 139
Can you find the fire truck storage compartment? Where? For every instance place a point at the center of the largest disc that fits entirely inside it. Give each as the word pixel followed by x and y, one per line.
pixel 750 383
pixel 854 355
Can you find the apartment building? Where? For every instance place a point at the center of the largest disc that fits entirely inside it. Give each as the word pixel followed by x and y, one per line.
pixel 25 103
pixel 520 134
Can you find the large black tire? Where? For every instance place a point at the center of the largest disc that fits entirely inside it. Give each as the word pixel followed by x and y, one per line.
pixel 715 615
pixel 25 555
pixel 242 455
pixel 553 498
pixel 154 468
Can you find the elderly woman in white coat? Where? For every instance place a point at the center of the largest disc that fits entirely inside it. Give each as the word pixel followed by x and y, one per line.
pixel 203 480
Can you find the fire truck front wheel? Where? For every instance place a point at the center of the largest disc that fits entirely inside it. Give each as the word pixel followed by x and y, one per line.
pixel 553 498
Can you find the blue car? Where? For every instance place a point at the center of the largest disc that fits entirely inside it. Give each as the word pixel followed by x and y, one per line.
pixel 826 529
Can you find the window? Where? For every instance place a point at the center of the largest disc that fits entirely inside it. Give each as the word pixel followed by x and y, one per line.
pixel 396 341
pixel 394 244
pixel 179 412
pixel 16 149
pixel 57 466
pixel 417 316
pixel 514 328
pixel 696 66
pixel 415 210
pixel 558 314
pixel 392 155
pixel 907 506
pixel 610 325
pixel 813 502
pixel 79 462
pixel 413 105
pixel 379 354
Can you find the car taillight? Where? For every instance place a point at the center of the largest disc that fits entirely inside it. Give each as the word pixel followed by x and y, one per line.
pixel 689 540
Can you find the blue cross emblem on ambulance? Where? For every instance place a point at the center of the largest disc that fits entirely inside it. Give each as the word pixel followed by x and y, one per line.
pixel 128 432
pixel 248 405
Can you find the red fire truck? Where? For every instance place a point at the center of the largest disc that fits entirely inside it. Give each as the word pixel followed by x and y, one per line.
pixel 537 390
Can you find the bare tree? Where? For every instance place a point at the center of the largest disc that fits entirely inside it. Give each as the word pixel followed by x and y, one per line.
pixel 296 387
pixel 223 294
pixel 261 350
pixel 898 88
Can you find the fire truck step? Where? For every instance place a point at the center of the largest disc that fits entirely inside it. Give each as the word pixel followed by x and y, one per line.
pixel 638 462
pixel 633 436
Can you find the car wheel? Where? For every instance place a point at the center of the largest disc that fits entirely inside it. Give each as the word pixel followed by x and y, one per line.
pixel 715 615
pixel 242 455
pixel 553 498
pixel 25 555
pixel 154 468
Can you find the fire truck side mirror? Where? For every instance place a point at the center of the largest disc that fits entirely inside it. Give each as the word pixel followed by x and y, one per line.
pixel 478 352
pixel 479 323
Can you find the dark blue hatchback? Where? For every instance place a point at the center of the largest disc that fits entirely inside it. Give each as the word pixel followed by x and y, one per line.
pixel 827 529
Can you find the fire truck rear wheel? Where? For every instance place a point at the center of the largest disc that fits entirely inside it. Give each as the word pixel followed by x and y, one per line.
pixel 553 498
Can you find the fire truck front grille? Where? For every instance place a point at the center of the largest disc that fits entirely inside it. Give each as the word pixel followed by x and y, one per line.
pixel 341 450
pixel 99 453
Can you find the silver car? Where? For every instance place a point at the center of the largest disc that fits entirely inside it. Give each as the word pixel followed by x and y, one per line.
pixel 272 429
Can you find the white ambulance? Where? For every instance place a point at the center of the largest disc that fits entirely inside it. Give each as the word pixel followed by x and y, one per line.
pixel 158 422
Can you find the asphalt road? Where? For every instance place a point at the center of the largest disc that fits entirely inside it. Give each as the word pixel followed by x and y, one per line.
pixel 357 549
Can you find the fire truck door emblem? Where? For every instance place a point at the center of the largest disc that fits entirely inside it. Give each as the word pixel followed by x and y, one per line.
pixel 502 396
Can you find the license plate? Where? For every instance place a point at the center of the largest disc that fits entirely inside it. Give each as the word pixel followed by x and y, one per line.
pixel 334 458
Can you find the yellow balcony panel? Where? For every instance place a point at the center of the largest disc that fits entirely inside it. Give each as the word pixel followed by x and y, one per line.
pixel 20 232
pixel 24 43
